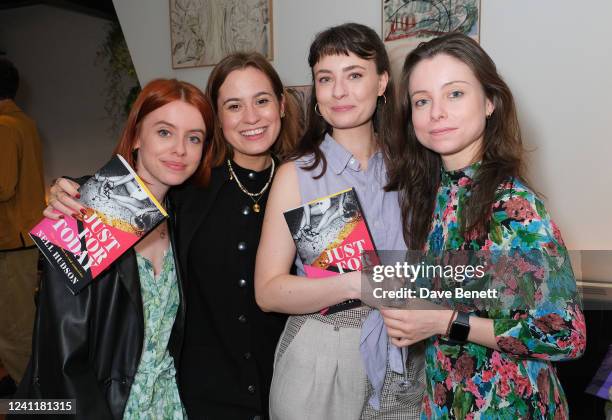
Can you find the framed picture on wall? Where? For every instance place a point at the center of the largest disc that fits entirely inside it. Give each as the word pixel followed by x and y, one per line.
pixel 204 31
pixel 407 23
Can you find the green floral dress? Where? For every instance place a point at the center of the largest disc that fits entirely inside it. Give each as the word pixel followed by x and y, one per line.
pixel 475 382
pixel 154 393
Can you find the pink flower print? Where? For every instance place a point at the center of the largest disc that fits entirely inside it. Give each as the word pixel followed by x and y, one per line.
pixel 464 181
pixel 439 394
pixel 543 382
pixel 512 345
pixel 550 323
pixel 496 360
pixel 522 386
pixel 557 233
pixel 504 388
pixel 538 295
pixel 471 386
pixel 487 375
pixel 518 208
pixel 426 406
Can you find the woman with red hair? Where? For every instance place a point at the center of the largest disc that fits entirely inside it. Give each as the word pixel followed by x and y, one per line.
pixel 114 347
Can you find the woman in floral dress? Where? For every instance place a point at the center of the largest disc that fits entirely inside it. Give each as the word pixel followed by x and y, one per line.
pixel 459 174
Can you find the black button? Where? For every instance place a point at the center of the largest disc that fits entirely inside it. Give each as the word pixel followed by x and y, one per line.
pixel 242 318
pixel 246 210
pixel 252 175
pixel 247 355
pixel 124 381
pixel 242 246
pixel 251 389
pixel 242 283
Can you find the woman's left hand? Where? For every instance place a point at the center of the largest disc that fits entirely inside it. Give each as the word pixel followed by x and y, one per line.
pixel 409 326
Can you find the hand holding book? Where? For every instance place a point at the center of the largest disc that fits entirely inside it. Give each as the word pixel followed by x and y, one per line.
pixel 119 211
pixel 63 200
pixel 331 236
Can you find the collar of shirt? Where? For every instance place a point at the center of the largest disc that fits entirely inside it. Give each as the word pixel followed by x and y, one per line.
pixel 339 158
pixel 8 106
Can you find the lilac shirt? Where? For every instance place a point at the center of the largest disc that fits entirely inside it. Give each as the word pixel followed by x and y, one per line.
pixel 382 213
pixel 381 209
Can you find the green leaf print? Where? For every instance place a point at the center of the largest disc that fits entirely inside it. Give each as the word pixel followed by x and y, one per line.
pixel 462 402
pixel 478 352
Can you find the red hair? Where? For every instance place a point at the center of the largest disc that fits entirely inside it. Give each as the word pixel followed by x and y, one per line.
pixel 154 95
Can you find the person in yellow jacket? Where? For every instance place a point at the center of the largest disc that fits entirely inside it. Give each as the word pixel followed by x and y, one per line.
pixel 22 200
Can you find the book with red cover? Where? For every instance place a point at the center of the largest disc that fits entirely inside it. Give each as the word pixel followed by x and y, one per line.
pixel 121 210
pixel 331 237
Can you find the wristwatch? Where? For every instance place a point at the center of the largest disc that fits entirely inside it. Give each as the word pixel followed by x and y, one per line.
pixel 460 328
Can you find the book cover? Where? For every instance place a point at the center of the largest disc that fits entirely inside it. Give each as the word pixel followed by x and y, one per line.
pixel 121 210
pixel 331 236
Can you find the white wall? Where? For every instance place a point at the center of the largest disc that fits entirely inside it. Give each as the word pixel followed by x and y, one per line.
pixel 61 88
pixel 295 22
pixel 556 56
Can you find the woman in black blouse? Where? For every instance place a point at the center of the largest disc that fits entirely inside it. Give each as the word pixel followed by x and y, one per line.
pixel 228 349
pixel 228 344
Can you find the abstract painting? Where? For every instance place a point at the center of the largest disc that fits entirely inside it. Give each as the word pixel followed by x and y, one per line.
pixel 205 31
pixel 407 23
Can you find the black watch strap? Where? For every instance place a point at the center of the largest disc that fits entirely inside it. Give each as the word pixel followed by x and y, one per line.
pixel 460 328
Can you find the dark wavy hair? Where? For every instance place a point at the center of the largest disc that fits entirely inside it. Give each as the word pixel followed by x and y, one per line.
pixel 291 123
pixel 415 171
pixel 365 43
pixel 9 79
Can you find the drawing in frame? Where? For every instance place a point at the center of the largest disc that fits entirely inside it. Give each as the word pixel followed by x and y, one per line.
pixel 205 31
pixel 407 23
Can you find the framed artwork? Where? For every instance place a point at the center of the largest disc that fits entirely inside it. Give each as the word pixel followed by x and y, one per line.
pixel 302 95
pixel 204 31
pixel 407 23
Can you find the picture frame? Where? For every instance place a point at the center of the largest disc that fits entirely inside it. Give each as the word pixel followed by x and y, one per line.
pixel 203 32
pixel 407 23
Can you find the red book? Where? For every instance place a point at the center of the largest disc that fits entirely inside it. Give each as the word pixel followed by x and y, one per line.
pixel 331 237
pixel 121 211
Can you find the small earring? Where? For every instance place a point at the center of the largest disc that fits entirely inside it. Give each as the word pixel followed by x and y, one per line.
pixel 282 115
pixel 317 110
pixel 384 99
pixel 489 115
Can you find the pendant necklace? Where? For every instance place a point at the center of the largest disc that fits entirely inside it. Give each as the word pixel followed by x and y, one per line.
pixel 254 196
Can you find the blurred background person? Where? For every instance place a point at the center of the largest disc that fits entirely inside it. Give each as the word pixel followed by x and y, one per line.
pixel 22 200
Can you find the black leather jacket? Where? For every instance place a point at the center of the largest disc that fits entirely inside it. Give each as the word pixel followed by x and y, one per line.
pixel 88 346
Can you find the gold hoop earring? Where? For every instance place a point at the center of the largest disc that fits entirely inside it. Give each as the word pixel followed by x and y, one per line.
pixel 317 110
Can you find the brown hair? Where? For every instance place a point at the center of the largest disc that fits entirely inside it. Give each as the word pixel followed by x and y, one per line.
pixel 366 44
pixel 154 95
pixel 416 170
pixel 291 124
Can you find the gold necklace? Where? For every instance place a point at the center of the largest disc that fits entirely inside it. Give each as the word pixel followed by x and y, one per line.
pixel 256 207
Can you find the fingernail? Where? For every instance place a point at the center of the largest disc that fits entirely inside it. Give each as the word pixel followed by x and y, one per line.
pixel 61 216
pixel 83 211
pixel 77 195
pixel 76 216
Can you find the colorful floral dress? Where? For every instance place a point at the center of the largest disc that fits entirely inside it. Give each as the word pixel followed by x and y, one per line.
pixel 154 393
pixel 475 382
